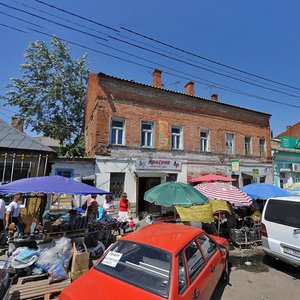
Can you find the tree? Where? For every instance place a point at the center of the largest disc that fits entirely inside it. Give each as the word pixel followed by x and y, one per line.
pixel 50 93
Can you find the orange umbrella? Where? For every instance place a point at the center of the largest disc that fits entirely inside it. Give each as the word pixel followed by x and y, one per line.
pixel 212 178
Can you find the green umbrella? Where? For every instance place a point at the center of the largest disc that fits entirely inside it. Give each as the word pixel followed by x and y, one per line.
pixel 175 193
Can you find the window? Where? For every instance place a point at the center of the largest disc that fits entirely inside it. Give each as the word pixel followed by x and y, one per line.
pixel 208 246
pixel 283 212
pixel 117 132
pixel 229 143
pixel 176 138
pixel 204 135
pixel 182 280
pixel 145 267
pixel 248 148
pixel 117 184
pixel 195 260
pixel 69 173
pixel 147 134
pixel 262 147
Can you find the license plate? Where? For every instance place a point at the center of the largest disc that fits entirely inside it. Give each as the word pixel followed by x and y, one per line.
pixel 291 252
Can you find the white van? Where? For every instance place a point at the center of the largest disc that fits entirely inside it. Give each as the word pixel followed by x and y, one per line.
pixel 281 229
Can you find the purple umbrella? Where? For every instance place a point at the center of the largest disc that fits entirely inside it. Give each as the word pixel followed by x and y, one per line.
pixel 50 184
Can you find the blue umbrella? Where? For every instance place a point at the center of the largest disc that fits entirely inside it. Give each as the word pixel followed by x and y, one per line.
pixel 264 191
pixel 50 184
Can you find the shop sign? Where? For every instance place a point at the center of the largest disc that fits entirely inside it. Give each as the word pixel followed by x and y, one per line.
pixel 235 165
pixel 158 164
pixel 255 172
pixel 290 143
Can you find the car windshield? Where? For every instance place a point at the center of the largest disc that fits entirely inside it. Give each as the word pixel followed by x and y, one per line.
pixel 143 266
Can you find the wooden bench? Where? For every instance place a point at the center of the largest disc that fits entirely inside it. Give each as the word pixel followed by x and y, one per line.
pixel 36 287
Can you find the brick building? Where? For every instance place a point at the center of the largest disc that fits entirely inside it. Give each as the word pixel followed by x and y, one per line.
pixel 143 135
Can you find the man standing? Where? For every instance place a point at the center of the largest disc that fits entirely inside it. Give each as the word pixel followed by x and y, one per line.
pixel 91 207
pixel 13 211
pixel 2 214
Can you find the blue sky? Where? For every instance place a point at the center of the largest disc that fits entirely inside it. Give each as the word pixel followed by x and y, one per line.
pixel 258 37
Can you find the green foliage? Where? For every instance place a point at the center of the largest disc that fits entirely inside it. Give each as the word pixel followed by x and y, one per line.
pixel 50 93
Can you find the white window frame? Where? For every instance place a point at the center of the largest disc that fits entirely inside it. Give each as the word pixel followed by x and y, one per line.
pixel 248 145
pixel 118 130
pixel 227 141
pixel 204 141
pixel 176 136
pixel 262 148
pixel 147 132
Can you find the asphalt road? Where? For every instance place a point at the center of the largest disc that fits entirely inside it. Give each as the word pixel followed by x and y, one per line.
pixel 264 279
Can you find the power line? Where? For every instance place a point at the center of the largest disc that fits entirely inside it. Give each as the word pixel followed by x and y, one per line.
pixel 57 17
pixel 176 75
pixel 207 59
pixel 78 16
pixel 13 28
pixel 202 68
pixel 187 52
pixel 22 20
pixel 56 23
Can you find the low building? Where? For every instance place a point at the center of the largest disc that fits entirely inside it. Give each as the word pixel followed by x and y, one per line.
pixel 21 156
pixel 144 135
pixel 286 156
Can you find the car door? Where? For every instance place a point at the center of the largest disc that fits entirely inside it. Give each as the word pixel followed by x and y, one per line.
pixel 214 259
pixel 193 274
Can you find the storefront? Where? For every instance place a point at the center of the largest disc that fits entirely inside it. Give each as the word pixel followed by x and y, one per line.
pixel 286 160
pixel 136 176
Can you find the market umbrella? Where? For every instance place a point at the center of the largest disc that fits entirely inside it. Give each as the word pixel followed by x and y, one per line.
pixel 203 213
pixel 294 189
pixel 50 184
pixel 175 193
pixel 224 191
pixel 212 178
pixel 264 191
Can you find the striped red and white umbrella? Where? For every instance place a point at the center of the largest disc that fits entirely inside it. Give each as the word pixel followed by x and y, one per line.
pixel 224 191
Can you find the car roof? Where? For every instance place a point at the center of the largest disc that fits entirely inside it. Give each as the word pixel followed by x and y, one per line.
pixel 288 198
pixel 167 236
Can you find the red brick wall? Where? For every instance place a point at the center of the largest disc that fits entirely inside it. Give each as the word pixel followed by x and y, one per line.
pixel 136 103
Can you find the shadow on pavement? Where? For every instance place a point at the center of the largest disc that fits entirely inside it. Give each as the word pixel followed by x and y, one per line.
pixel 217 295
pixel 282 267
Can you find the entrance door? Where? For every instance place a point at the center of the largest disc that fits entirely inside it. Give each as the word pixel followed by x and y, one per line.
pixel 145 184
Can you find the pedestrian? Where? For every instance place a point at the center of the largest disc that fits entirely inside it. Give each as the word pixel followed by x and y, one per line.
pixel 91 207
pixel 2 214
pixel 13 212
pixel 108 206
pixel 124 208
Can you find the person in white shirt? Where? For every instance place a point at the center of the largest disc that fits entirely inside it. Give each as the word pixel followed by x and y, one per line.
pixel 13 211
pixel 108 205
pixel 2 214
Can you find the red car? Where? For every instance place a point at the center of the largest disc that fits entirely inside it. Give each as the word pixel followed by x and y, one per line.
pixel 160 261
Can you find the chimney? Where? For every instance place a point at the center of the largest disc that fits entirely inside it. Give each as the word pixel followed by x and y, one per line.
pixel 189 88
pixel 157 78
pixel 16 124
pixel 214 97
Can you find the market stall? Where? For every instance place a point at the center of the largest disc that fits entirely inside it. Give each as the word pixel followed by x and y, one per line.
pixel 61 234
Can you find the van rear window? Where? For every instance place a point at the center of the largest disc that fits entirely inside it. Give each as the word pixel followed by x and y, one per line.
pixel 283 212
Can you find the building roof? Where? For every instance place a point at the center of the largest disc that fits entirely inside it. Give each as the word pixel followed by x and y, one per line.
pixel 48 141
pixel 290 132
pixel 14 139
pixel 182 94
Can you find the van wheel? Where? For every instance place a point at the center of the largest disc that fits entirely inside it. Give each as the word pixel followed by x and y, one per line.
pixel 225 274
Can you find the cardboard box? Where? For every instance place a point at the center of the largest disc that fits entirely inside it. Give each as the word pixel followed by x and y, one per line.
pixel 80 262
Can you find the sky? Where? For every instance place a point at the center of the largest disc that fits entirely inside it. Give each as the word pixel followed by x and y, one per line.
pixel 246 51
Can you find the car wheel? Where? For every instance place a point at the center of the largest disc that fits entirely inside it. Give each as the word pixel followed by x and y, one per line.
pixel 225 274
